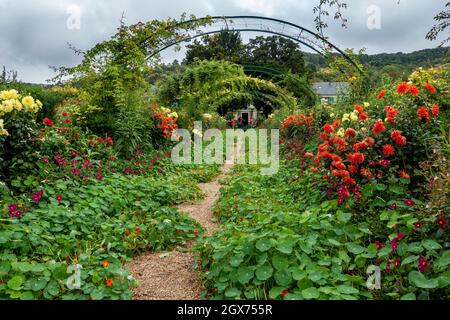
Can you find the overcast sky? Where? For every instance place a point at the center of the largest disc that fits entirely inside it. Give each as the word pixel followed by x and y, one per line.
pixel 35 33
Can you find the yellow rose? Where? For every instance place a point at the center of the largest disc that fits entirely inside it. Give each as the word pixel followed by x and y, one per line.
pixel 18 105
pixel 8 106
pixel 174 115
pixel 341 132
pixel 9 95
pixel 33 108
pixel 28 102
pixel 354 116
pixel 4 132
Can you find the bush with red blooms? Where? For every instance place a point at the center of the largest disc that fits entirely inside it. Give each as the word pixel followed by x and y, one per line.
pixel 165 120
pixel 296 132
pixel 377 144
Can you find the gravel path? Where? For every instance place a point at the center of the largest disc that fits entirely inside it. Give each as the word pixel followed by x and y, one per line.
pixel 170 275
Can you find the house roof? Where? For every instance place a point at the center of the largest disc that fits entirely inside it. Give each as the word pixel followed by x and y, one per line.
pixel 330 88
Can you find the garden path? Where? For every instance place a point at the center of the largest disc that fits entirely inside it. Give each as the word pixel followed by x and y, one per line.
pixel 170 275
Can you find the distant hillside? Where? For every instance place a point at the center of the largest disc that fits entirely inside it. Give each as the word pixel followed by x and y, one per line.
pixel 396 64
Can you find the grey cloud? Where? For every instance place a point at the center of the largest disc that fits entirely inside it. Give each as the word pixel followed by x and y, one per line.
pixel 33 33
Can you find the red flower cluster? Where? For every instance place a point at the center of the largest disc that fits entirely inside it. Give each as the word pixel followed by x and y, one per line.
pixel 378 128
pixel 48 122
pixel 298 120
pixel 167 124
pixel 430 88
pixel 404 87
pixel 381 94
pixel 398 138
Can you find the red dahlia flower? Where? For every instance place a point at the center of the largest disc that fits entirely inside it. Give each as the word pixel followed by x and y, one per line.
pixel 402 88
pixel 64 114
pixel 388 150
pixel 48 122
pixel 413 90
pixel 328 128
pixel 435 110
pixel 101 140
pixel 423 113
pixel 350 132
pixel 381 94
pixel 378 127
pixel 430 87
pixel 356 158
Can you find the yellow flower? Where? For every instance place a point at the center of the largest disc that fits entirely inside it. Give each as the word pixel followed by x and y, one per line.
pixel 2 123
pixel 346 117
pixel 18 105
pixel 165 110
pixel 9 95
pixel 4 132
pixel 8 106
pixel 366 104
pixel 341 132
pixel 174 115
pixel 39 103
pixel 332 115
pixel 33 108
pixel 354 116
pixel 28 102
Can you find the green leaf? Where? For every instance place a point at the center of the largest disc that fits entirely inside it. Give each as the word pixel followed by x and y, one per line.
pixel 264 272
pixel 37 284
pixel 431 245
pixel 244 274
pixel 275 292
pixel 263 245
pixel 408 296
pixel 15 283
pixel 236 260
pixel 280 262
pixel 343 216
pixel 283 277
pixel 410 259
pixel 311 293
pixel 52 288
pixel 444 260
pixel 97 294
pixel 355 248
pixel 232 293
pixel 419 280
pixel 285 247
pixel 334 242
pixel 347 289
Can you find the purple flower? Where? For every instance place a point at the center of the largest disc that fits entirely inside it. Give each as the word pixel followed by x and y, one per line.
pixel 45 160
pixel 13 208
pixel 37 196
pixel 394 245
pixel 423 264
pixel 400 236
pixel 60 160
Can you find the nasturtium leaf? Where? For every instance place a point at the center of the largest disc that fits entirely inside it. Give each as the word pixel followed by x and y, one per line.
pixel 283 277
pixel 264 272
pixel 275 292
pixel 232 293
pixel 409 296
pixel 15 283
pixel 284 247
pixel 347 289
pixel 263 245
pixel 311 293
pixel 244 274
pixel 236 260
pixel 279 262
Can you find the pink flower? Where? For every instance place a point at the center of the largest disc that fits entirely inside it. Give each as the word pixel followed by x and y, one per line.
pixel 37 196
pixel 409 202
pixel 379 245
pixel 423 264
pixel 59 198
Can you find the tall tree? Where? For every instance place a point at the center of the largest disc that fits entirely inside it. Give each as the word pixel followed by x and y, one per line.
pixel 226 45
pixel 275 52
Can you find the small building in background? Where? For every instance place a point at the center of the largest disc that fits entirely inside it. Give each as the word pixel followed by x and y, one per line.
pixel 329 91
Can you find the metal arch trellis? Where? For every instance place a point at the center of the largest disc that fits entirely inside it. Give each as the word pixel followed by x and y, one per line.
pixel 268 25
